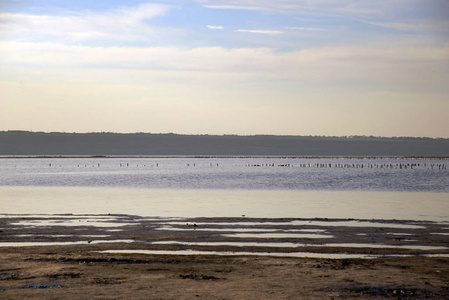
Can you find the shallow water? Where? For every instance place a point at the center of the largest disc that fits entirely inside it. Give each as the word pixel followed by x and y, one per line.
pixel 71 223
pixel 278 235
pixel 218 235
pixel 342 174
pixel 326 223
pixel 225 253
pixel 37 244
pixel 379 246
pixel 297 245
pixel 226 203
pixel 405 189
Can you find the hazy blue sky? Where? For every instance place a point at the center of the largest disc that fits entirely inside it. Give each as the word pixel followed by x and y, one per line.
pixel 302 67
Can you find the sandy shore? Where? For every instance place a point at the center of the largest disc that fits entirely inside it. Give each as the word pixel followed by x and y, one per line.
pixel 402 259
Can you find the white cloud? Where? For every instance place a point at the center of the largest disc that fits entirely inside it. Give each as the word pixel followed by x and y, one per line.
pixel 215 27
pixel 269 32
pixel 419 68
pixel 332 90
pixel 126 24
pixel 397 80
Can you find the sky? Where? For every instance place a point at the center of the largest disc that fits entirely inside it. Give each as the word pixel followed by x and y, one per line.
pixel 285 67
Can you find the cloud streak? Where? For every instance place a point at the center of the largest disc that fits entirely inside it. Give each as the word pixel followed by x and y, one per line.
pixel 126 24
pixel 235 7
pixel 406 67
pixel 304 7
pixel 269 32
pixel 215 27
pixel 436 26
pixel 266 59
pixel 305 28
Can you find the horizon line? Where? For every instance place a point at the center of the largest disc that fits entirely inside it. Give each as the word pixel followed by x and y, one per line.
pixel 228 134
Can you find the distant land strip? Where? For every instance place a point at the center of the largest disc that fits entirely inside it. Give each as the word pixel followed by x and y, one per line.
pixel 222 156
pixel 133 145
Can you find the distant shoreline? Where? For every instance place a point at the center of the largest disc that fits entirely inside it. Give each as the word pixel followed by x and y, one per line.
pixel 217 156
pixel 34 144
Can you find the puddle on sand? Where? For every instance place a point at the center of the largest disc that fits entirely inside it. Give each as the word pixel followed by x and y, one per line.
pixel 305 230
pixel 62 235
pixel 232 229
pixel 399 234
pixel 217 229
pixel 32 244
pixel 311 223
pixel 71 223
pixel 297 245
pixel 357 224
pixel 437 255
pixel 382 246
pixel 279 235
pixel 224 253
pixel 232 244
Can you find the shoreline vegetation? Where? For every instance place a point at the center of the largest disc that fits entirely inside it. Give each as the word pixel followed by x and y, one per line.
pixel 55 144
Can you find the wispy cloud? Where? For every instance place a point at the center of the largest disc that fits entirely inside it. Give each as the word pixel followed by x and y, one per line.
pixel 126 24
pixel 235 7
pixel 410 66
pixel 269 32
pixel 305 28
pixel 314 7
pixel 437 26
pixel 215 27
pixel 148 58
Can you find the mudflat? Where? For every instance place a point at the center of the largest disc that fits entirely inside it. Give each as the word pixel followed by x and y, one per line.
pixel 63 257
pixel 71 273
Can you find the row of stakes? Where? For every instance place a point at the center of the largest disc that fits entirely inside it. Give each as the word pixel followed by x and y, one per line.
pixel 124 165
pixel 338 166
pixel 361 166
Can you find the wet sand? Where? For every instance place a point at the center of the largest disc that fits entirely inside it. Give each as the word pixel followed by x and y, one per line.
pixel 402 259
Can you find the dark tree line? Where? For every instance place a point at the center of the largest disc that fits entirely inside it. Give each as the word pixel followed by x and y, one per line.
pixel 40 143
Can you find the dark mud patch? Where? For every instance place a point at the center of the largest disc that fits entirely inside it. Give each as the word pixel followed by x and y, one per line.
pixel 35 287
pixel 106 281
pixel 387 292
pixel 65 275
pixel 199 277
pixel 9 276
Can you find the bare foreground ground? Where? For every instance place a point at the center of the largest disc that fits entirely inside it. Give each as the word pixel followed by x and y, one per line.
pixel 81 271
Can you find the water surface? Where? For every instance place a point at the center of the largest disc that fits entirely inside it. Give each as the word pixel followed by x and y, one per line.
pixel 368 188
pixel 342 174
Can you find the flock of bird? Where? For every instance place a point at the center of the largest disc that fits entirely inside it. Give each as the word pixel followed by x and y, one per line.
pixel 430 166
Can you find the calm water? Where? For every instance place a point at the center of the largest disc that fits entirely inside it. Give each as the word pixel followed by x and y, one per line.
pixel 255 187
pixel 231 173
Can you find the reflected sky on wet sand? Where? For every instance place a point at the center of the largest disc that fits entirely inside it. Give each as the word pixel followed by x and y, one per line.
pixel 225 203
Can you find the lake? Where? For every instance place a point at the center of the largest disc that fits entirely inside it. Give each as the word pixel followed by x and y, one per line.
pixel 272 187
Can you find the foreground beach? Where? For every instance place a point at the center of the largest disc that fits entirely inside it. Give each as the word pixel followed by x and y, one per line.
pixel 71 273
pixel 129 257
